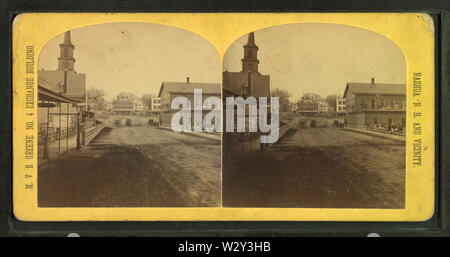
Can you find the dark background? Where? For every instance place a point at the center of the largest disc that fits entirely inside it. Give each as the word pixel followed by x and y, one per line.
pixel 438 225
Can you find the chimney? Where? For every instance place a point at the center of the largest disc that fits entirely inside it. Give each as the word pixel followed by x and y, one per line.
pixel 187 79
pixel 373 81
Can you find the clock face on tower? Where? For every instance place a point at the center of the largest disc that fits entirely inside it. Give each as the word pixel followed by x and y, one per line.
pixel 250 66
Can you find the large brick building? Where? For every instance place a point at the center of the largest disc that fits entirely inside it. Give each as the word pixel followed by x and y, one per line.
pixel 375 105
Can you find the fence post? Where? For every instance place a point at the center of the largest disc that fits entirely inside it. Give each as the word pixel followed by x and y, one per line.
pixel 78 131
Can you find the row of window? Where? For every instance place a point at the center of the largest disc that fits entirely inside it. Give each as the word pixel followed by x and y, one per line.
pixel 391 104
pixel 123 107
pixel 308 108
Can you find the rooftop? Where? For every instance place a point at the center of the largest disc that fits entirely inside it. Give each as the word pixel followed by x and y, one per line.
pixel 188 87
pixel 375 88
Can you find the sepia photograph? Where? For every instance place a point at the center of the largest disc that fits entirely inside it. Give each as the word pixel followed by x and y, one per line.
pixel 104 112
pixel 340 116
pixel 229 117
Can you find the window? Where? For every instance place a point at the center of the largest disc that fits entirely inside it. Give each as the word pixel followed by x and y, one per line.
pixel 373 103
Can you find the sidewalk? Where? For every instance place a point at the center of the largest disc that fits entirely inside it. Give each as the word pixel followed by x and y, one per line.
pixel 376 133
pixel 198 134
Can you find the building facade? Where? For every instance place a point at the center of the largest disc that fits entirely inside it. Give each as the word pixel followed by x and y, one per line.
pixel 65 80
pixel 171 90
pixel 123 105
pixel 61 96
pixel 155 104
pixel 340 105
pixel 324 106
pixel 375 105
pixel 245 83
pixel 307 106
pixel 248 81
pixel 139 106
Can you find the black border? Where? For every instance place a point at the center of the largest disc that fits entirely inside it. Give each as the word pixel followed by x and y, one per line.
pixel 438 225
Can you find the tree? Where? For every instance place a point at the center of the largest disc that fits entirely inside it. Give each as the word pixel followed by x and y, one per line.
pixel 283 98
pixel 96 96
pixel 331 100
pixel 312 95
pixel 128 95
pixel 147 99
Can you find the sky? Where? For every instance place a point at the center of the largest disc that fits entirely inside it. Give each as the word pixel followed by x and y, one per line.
pixel 300 58
pixel 321 58
pixel 136 57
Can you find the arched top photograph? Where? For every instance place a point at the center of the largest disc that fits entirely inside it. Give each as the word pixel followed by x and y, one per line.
pixel 104 114
pixel 340 104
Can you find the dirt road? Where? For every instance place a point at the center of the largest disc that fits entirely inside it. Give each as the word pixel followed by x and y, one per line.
pixel 134 166
pixel 320 168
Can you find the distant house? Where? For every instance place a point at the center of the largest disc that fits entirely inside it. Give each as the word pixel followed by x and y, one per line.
pixel 324 106
pixel 340 105
pixel 139 106
pixel 307 106
pixel 171 90
pixel 375 105
pixel 155 104
pixel 123 105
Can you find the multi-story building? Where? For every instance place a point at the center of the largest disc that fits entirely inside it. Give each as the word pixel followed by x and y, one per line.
pixel 123 105
pixel 375 105
pixel 248 81
pixel 245 83
pixel 340 105
pixel 324 106
pixel 139 106
pixel 155 104
pixel 65 80
pixel 171 90
pixel 308 106
pixel 61 94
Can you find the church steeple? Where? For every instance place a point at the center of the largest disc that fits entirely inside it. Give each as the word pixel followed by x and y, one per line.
pixel 65 59
pixel 250 61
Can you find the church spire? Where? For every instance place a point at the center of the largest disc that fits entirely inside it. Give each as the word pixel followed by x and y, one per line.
pixel 67 38
pixel 66 60
pixel 250 61
pixel 251 39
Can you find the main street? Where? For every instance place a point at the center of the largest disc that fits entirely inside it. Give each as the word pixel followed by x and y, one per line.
pixel 321 168
pixel 135 166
